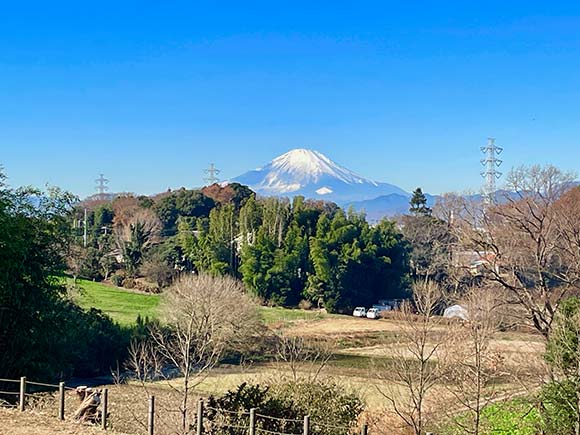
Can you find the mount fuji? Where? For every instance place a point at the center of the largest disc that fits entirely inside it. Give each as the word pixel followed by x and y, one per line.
pixel 313 175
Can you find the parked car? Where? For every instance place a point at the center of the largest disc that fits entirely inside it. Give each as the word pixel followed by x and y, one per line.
pixel 373 313
pixel 359 312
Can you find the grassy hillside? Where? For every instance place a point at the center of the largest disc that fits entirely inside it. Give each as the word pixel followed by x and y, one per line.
pixel 122 305
pixel 125 305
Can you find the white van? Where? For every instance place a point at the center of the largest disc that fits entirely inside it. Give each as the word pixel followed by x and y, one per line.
pixel 359 312
pixel 373 313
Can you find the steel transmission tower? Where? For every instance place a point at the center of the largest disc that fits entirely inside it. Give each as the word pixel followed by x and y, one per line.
pixel 211 174
pixel 102 187
pixel 490 173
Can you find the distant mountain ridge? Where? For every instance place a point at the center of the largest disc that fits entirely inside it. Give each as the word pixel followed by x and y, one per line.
pixel 311 174
pixel 387 205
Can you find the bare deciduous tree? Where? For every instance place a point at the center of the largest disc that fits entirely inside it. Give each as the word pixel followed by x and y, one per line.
pixel 416 364
pixel 431 240
pixel 144 217
pixel 75 259
pixel 203 316
pixel 301 355
pixel 472 366
pixel 520 242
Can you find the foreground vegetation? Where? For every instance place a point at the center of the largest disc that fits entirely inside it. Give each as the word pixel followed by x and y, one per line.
pixel 42 333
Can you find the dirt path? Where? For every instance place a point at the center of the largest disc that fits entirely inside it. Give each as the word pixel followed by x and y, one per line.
pixel 14 422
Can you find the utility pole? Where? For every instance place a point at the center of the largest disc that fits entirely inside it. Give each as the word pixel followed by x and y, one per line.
pixel 85 230
pixel 490 173
pixel 211 174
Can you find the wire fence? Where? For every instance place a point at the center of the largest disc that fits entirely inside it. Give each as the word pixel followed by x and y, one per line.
pixel 213 421
pixel 208 420
pixel 25 393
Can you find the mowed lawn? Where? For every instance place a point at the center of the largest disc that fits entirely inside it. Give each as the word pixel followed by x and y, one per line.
pixel 121 305
pixel 124 305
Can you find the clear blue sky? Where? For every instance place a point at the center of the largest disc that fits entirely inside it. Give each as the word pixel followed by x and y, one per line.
pixel 150 93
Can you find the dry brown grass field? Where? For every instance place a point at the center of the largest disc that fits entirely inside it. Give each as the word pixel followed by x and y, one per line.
pixel 362 348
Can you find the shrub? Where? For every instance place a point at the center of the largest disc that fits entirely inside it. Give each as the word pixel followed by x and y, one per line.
pixel 561 408
pixel 331 408
pixel 157 272
pixel 558 415
pixel 117 280
pixel 243 398
pixel 129 282
pixel 95 341
pixel 325 401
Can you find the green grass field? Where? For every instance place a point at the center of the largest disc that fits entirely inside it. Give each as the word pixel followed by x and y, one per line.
pixel 279 314
pixel 121 305
pixel 124 306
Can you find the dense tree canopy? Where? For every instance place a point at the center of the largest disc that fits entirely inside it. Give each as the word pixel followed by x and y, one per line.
pixel 284 251
pixel 42 333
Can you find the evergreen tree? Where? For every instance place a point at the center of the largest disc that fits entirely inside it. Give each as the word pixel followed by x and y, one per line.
pixel 418 204
pixel 257 262
pixel 355 264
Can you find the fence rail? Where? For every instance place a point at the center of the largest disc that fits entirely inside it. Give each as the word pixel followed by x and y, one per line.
pixel 62 388
pixel 251 428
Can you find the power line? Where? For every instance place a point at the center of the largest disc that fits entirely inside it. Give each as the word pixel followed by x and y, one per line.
pixel 490 173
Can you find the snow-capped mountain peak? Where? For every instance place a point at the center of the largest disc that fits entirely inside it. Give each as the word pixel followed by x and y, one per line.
pixel 309 166
pixel 313 175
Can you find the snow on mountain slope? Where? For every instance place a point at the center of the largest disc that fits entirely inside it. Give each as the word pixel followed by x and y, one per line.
pixel 313 175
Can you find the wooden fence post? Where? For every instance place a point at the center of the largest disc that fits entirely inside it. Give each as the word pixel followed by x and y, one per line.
pixel 151 417
pixel 105 409
pixel 364 429
pixel 306 425
pixel 22 392
pixel 61 400
pixel 253 421
pixel 199 417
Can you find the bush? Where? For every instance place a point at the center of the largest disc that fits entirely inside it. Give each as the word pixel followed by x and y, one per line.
pixel 332 410
pixel 243 398
pixel 96 343
pixel 158 272
pixel 559 398
pixel 558 415
pixel 117 280
pixel 129 282
pixel 325 401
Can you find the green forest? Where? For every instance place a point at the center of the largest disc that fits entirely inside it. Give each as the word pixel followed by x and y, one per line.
pixel 287 252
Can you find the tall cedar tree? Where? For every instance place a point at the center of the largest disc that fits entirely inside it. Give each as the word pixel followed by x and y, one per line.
pixel 418 203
